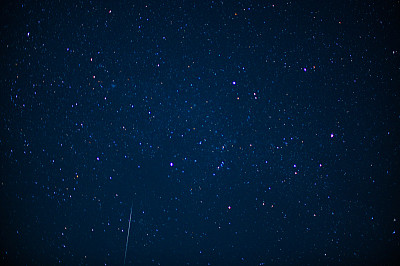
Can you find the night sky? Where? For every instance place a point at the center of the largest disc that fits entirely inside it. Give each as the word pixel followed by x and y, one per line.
pixel 237 132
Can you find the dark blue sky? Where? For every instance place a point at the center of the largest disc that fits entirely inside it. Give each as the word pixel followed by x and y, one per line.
pixel 240 132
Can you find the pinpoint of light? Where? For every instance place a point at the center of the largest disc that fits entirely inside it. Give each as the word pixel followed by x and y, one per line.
pixel 331 135
pixel 229 207
pixel 233 82
pixel 171 164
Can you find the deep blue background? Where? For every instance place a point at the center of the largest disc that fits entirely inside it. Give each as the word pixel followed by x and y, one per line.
pixel 240 132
